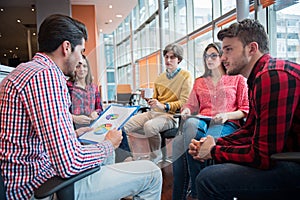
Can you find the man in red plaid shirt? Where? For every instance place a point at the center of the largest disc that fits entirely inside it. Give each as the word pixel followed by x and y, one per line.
pixel 272 126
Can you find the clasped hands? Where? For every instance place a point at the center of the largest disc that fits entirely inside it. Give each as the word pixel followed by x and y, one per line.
pixel 200 150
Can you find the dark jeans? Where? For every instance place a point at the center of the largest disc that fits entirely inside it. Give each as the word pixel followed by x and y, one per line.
pixel 185 168
pixel 123 151
pixel 226 181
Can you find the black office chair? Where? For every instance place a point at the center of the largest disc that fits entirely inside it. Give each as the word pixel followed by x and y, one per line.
pixel 169 134
pixel 2 188
pixel 287 156
pixel 63 187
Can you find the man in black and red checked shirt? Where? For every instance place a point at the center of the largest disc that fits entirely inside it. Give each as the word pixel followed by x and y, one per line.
pixel 273 124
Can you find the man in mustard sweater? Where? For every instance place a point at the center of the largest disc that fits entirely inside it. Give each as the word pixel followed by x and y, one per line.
pixel 171 91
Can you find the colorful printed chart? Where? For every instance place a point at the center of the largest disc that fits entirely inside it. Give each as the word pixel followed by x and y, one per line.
pixel 112 116
pixel 102 129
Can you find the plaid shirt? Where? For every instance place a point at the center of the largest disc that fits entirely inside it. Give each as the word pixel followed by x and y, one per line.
pixel 37 139
pixel 84 101
pixel 273 123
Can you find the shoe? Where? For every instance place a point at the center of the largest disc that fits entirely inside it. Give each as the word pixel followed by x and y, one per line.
pixel 156 157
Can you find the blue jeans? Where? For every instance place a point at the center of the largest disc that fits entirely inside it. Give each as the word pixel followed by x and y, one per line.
pixel 185 168
pixel 228 180
pixel 123 151
pixel 141 179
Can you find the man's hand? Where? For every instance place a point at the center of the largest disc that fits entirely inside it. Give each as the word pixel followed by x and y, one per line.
pixel 82 130
pixel 154 103
pixel 115 137
pixel 200 150
pixel 81 119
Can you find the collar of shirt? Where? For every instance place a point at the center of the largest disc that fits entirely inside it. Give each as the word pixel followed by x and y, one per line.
pixel 45 60
pixel 257 68
pixel 171 75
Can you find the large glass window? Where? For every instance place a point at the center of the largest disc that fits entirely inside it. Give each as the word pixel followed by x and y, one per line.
pixel 287 30
pixel 142 11
pixel 167 26
pixel 154 37
pixel 202 13
pixel 200 44
pixel 127 26
pixel 152 6
pixel 110 77
pixel 228 5
pixel 180 19
pixel 111 92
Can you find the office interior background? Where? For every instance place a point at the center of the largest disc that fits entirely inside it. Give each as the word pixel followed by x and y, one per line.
pixel 131 53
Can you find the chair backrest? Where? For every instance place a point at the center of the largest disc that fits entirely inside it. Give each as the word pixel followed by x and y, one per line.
pixel 123 93
pixel 2 188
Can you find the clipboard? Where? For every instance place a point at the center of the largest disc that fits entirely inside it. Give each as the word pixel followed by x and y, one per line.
pixel 114 116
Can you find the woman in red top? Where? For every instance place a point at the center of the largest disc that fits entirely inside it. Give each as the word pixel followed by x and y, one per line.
pixel 215 107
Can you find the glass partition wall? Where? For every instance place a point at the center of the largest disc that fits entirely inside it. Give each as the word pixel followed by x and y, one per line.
pixel 193 24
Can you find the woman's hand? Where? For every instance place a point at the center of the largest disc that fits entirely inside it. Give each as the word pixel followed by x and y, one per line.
pixel 82 130
pixel 94 115
pixel 185 112
pixel 81 119
pixel 220 118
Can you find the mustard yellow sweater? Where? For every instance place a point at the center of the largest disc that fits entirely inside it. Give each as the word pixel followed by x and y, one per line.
pixel 173 91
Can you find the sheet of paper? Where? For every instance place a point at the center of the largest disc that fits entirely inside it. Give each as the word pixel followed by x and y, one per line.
pixel 115 116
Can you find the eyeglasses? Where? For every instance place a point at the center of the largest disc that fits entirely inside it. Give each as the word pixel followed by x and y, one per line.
pixel 171 57
pixel 212 56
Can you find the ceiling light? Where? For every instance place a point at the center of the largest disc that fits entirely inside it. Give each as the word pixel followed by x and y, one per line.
pixel 100 30
pixel 32 9
pixel 17 48
pixel 33 33
pixel 19 21
pixel 4 55
pixel 119 16
pixel 110 6
pixel 10 51
pixel 110 20
pixel 1 9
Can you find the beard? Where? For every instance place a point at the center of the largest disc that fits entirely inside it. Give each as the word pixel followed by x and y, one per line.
pixel 70 68
pixel 239 64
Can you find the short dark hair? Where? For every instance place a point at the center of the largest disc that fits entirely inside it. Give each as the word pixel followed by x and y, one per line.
pixel 217 46
pixel 247 31
pixel 56 29
pixel 177 50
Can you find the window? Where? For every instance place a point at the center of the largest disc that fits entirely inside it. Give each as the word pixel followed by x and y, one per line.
pixel 180 19
pixel 202 13
pixel 110 77
pixel 284 36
